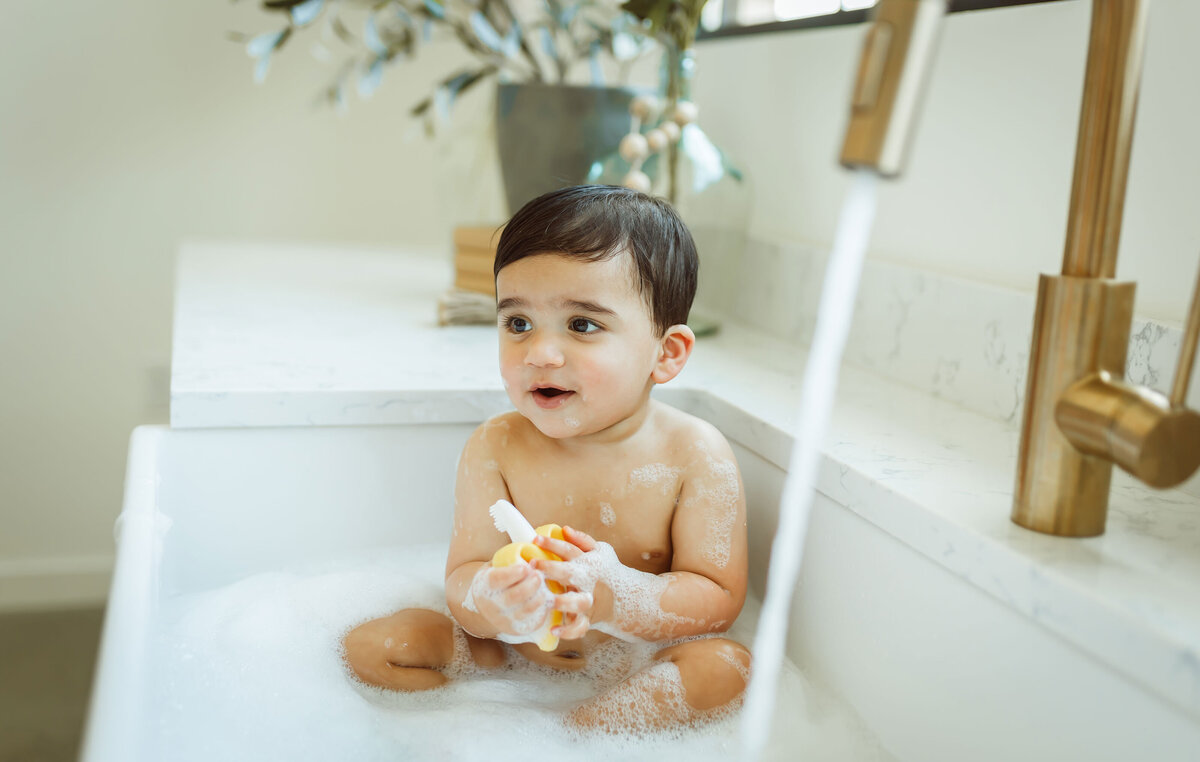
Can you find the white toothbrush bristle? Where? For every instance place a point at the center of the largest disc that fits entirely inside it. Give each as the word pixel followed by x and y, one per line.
pixel 509 520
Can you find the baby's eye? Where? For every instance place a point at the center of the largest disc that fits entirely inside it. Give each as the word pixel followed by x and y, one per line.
pixel 517 324
pixel 583 325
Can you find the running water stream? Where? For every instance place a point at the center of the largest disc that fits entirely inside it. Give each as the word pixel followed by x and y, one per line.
pixel 816 403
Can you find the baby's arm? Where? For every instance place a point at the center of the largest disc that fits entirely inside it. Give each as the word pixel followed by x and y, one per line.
pixel 706 587
pixel 508 603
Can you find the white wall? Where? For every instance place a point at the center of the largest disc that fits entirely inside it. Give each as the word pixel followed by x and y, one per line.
pixel 988 184
pixel 130 125
pixel 125 127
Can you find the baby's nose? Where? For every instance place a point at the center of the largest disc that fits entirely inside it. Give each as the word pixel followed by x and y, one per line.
pixel 544 352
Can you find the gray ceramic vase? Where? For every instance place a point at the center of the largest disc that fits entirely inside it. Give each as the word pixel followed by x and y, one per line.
pixel 549 135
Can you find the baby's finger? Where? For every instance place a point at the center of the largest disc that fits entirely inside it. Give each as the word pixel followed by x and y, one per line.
pixel 573 603
pixel 560 571
pixel 527 622
pixel 523 590
pixel 502 577
pixel 532 606
pixel 561 548
pixel 581 540
pixel 574 629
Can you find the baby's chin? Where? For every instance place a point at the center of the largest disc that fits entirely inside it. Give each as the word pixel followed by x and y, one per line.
pixel 559 427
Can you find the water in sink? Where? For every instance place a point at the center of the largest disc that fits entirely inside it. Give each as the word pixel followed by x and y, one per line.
pixel 252 671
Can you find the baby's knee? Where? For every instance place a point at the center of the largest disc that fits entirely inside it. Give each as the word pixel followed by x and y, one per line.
pixel 404 651
pixel 714 671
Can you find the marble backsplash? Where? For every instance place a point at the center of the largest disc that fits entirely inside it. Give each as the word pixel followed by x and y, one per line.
pixel 963 341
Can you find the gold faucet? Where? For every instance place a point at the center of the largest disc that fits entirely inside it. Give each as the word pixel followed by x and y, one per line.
pixel 896 59
pixel 1080 416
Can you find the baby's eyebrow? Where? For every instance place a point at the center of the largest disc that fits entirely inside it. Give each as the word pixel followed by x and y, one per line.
pixel 511 302
pixel 592 307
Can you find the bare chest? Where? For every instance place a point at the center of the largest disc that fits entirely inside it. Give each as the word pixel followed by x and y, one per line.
pixel 629 505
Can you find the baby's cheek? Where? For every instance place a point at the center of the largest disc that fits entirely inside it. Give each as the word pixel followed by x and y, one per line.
pixel 611 388
pixel 509 380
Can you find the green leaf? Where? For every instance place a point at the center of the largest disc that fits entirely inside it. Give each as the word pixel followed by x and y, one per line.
pixel 455 83
pixel 344 34
pixel 263 44
pixel 554 9
pixel 568 15
pixel 511 45
pixel 372 39
pixel 548 45
pixel 485 31
pixel 307 12
pixel 435 8
pixel 451 88
pixel 368 83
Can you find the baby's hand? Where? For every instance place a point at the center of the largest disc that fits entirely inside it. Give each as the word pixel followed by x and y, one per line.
pixel 578 602
pixel 513 598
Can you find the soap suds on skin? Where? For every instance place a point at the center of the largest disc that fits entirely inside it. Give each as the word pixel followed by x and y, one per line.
pixel 469 602
pixel 658 476
pixel 638 702
pixel 637 595
pixel 526 628
pixel 646 694
pixel 736 663
pixel 608 516
pixel 500 425
pixel 719 492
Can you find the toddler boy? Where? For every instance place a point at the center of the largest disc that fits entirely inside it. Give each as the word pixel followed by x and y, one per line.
pixel 593 288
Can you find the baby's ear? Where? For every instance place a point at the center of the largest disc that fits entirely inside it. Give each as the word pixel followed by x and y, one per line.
pixel 673 352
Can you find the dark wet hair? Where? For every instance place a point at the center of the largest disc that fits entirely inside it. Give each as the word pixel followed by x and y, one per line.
pixel 598 222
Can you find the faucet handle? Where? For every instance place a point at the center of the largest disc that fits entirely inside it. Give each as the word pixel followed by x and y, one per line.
pixel 1152 437
pixel 1135 427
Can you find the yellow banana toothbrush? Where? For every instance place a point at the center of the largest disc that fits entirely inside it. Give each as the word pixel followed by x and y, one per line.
pixel 508 519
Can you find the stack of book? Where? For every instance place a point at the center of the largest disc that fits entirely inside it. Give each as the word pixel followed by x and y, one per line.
pixel 473 297
pixel 474 253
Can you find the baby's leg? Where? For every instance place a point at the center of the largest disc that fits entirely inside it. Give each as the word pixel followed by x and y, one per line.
pixel 406 651
pixel 685 682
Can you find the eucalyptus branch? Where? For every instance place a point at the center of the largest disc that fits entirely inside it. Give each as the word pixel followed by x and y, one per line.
pixel 492 31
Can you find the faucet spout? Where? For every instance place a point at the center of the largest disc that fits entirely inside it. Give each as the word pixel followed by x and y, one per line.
pixel 896 59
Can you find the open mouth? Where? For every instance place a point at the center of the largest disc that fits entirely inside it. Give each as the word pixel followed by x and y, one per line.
pixel 550 396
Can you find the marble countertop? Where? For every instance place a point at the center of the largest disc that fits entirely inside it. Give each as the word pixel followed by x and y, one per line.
pixel 297 336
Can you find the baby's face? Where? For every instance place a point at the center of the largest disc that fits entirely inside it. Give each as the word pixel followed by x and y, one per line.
pixel 577 345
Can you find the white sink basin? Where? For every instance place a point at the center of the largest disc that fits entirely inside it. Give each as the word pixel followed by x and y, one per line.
pixel 902 656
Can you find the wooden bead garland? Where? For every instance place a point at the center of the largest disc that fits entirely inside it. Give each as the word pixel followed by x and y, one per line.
pixel 635 147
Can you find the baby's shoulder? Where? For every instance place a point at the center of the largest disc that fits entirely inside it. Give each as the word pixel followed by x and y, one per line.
pixel 693 439
pixel 500 433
